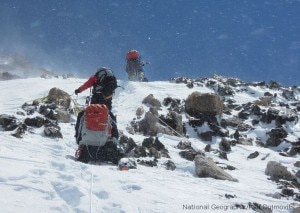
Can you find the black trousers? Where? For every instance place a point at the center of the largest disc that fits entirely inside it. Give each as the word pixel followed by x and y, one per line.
pixel 109 152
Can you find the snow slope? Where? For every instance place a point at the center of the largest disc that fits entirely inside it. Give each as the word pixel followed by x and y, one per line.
pixel 37 173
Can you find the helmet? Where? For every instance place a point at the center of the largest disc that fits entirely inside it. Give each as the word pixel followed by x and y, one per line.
pixel 103 69
pixel 132 54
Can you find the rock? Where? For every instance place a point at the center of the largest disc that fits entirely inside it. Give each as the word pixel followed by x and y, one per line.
pixel 287 192
pixel 275 136
pixel 151 142
pixel 276 195
pixel 150 125
pixel 139 112
pixel 297 164
pixel 264 101
pixel 148 163
pixel 29 108
pixel 170 165
pixel 205 167
pixel 173 104
pixel 35 122
pixel 207 148
pixel 266 156
pixel 298 176
pixel 190 154
pixel 232 121
pixel 154 153
pixel 184 145
pixel 276 171
pixel 150 100
pixel 20 131
pixel 225 90
pixel 128 143
pixel 223 155
pixel 203 103
pixel 253 155
pixel 59 97
pixel 63 116
pixel 206 136
pixel 245 141
pixel 8 122
pixel 173 120
pixel 52 130
pixel 138 152
pixel 224 145
pixel 296 209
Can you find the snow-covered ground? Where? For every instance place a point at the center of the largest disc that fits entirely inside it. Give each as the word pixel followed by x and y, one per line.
pixel 37 173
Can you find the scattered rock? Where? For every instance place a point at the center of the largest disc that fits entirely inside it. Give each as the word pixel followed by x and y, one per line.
pixel 276 171
pixel 153 102
pixel 52 130
pixel 253 155
pixel 170 165
pixel 205 167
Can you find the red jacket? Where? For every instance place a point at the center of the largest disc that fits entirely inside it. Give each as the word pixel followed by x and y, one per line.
pixel 90 82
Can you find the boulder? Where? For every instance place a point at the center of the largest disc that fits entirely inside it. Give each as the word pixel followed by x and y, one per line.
pixel 277 171
pixel 59 97
pixel 203 103
pixel 206 167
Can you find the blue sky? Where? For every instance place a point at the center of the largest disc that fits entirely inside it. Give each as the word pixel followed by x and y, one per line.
pixel 253 40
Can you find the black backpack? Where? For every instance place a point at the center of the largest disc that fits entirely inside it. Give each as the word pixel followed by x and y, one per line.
pixel 106 82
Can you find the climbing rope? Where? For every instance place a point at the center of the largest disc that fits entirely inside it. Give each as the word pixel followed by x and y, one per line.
pixel 91 191
pixel 172 129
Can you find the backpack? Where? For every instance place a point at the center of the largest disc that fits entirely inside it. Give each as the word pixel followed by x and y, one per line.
pixel 132 55
pixel 106 82
pixel 95 125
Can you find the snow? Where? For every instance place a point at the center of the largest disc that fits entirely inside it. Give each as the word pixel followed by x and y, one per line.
pixel 37 174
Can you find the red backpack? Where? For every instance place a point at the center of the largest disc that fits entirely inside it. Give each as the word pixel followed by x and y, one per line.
pixel 95 126
pixel 97 117
pixel 132 54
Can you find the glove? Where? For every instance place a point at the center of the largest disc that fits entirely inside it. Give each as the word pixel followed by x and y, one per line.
pixel 77 91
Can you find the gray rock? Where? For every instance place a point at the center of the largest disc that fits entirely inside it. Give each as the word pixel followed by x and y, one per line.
pixel 253 155
pixel 203 103
pixel 150 100
pixel 277 171
pixel 139 112
pixel 298 176
pixel 63 116
pixel 297 164
pixel 59 97
pixel 205 167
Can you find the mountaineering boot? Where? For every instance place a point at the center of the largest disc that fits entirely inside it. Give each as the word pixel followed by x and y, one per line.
pixel 81 154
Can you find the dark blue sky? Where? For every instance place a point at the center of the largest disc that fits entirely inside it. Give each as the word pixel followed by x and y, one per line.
pixel 250 39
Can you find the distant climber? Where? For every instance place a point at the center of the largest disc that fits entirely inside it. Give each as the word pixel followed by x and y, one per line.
pixel 134 66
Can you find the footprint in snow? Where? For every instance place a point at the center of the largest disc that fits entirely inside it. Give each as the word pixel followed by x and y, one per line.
pixel 131 187
pixel 102 195
pixel 70 194
pixel 59 166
